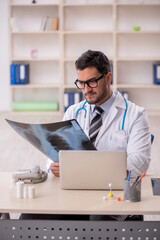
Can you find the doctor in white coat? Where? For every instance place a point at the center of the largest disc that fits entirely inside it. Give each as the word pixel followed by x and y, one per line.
pixel 124 125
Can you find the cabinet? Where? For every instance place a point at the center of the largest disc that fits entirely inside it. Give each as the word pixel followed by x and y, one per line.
pixel 105 25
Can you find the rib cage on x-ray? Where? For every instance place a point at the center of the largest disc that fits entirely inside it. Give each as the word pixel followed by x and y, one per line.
pixel 52 137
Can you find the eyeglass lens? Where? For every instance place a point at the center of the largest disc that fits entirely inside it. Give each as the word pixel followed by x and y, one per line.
pixel 93 83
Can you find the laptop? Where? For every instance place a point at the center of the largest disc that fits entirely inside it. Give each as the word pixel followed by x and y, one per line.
pixel 92 169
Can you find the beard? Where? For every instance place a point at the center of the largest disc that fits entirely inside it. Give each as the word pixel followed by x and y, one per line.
pixel 93 98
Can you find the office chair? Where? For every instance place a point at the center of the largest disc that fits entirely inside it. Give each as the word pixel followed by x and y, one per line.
pixel 152 138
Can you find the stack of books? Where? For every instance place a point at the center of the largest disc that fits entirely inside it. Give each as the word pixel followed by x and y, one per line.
pixel 49 24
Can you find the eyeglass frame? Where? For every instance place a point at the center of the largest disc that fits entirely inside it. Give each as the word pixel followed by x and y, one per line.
pixel 90 80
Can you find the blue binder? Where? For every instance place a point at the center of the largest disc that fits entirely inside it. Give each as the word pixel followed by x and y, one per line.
pixel 13 74
pixel 23 73
pixel 71 98
pixel 156 73
pixel 19 74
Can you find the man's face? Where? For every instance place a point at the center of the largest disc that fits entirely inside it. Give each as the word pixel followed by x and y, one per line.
pixel 99 94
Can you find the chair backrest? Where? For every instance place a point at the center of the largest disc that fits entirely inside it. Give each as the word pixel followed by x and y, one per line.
pixel 152 138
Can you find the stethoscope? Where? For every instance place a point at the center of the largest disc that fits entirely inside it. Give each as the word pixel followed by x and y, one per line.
pixel 85 112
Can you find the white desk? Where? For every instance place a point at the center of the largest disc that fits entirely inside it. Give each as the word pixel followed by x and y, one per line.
pixel 50 199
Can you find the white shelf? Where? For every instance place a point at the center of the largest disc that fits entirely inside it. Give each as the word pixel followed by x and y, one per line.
pixel 86 2
pixel 33 5
pixel 87 32
pixel 105 25
pixel 39 3
pixel 87 5
pixel 35 32
pixel 37 59
pixel 73 59
pixel 49 85
pixel 133 58
pixel 138 86
pixel 137 32
pixel 138 4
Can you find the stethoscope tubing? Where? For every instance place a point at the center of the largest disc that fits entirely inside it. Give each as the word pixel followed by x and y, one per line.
pixel 83 108
pixel 124 116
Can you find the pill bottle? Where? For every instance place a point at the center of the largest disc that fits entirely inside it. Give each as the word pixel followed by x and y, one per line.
pixel 12 189
pixel 19 186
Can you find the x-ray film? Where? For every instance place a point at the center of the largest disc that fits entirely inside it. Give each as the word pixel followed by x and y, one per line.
pixel 50 138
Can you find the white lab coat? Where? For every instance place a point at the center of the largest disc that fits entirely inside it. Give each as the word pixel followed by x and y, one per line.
pixel 135 139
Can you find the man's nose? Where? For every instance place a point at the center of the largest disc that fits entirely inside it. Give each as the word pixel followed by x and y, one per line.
pixel 87 88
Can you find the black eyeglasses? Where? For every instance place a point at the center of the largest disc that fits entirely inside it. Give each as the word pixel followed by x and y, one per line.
pixel 92 83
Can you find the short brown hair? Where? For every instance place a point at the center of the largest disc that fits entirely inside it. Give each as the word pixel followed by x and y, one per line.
pixel 95 59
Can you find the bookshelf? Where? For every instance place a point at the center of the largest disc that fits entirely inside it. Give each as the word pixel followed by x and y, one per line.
pixel 105 25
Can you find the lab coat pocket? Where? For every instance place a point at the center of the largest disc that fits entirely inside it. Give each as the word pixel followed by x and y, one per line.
pixel 119 140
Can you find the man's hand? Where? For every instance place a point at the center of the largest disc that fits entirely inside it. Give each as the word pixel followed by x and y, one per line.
pixel 55 169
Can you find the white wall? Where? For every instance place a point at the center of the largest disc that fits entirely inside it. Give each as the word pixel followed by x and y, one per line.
pixel 4 69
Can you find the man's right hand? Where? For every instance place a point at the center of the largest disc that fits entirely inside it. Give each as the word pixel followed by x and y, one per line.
pixel 55 169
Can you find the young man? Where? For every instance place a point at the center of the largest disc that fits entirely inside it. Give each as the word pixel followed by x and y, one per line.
pixel 124 125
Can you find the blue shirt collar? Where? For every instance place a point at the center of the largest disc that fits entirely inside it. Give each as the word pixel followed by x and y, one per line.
pixel 106 105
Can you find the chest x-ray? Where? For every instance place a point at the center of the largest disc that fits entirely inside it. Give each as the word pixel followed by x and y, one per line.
pixel 50 138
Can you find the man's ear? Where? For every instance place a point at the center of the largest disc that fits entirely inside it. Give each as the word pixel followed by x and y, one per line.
pixel 109 79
